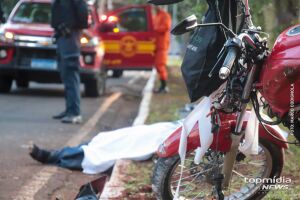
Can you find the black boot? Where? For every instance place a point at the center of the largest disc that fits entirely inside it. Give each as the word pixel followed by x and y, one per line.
pixel 163 88
pixel 39 155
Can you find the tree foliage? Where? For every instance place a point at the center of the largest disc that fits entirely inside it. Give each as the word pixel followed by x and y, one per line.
pixel 272 15
pixel 8 5
pixel 275 15
pixel 189 7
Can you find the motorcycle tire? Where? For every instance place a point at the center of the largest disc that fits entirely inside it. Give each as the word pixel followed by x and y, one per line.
pixel 165 167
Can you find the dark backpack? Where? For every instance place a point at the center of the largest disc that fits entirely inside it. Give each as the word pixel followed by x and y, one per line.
pixel 202 51
pixel 81 14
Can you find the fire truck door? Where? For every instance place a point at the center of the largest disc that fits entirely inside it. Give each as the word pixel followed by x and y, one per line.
pixel 130 44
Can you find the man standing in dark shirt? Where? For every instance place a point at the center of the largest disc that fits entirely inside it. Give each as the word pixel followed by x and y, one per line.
pixel 66 22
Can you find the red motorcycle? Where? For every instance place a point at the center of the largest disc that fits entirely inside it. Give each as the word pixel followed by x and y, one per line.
pixel 270 81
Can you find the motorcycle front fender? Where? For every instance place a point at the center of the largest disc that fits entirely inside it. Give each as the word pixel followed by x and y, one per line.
pixel 265 135
pixel 170 146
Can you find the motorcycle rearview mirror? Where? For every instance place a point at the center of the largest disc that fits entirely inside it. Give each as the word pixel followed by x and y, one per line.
pixel 186 25
pixel 190 23
pixel 163 2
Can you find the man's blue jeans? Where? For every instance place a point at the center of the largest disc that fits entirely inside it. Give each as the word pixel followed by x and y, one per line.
pixel 68 157
pixel 69 65
pixel 71 79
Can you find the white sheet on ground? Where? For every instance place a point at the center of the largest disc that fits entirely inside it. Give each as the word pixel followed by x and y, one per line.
pixel 140 142
pixel 135 143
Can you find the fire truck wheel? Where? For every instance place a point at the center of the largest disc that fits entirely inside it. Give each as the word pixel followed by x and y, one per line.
pixel 21 83
pixel 117 73
pixel 5 84
pixel 95 87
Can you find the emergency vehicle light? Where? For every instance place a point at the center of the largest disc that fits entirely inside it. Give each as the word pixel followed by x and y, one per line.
pixel 103 18
pixel 116 30
pixel 112 19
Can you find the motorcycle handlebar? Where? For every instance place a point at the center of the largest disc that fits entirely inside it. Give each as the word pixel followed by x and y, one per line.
pixel 228 62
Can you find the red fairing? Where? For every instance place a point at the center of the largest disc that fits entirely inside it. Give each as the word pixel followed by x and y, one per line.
pixel 171 144
pixel 281 72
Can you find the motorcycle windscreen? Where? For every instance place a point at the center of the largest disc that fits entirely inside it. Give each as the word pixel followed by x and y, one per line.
pixel 203 49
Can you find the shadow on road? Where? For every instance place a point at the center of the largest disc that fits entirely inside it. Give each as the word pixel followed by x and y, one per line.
pixel 40 92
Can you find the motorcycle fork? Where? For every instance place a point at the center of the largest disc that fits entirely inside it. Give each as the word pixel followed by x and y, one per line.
pixel 230 156
pixel 236 136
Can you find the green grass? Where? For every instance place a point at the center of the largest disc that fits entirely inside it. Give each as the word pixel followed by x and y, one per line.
pixel 164 107
pixel 291 170
pixel 291 194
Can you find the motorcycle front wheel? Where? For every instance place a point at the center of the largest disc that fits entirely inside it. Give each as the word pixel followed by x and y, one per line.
pixel 196 183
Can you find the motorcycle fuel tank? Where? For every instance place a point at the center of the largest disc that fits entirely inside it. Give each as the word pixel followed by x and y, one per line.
pixel 280 77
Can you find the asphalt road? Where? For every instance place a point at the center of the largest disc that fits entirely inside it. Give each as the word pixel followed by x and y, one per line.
pixel 25 117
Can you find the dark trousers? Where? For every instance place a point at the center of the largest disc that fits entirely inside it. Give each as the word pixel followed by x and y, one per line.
pixel 69 65
pixel 71 80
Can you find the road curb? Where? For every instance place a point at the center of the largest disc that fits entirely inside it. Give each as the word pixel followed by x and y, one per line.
pixel 113 189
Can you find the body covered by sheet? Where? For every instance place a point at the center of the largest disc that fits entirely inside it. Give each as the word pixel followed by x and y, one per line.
pixel 135 143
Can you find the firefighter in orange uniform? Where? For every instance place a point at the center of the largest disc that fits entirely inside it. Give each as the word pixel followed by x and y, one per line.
pixel 162 26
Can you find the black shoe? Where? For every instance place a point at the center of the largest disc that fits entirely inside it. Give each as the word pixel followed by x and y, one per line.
pixel 60 116
pixel 70 119
pixel 39 155
pixel 161 90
